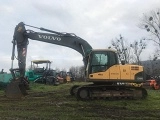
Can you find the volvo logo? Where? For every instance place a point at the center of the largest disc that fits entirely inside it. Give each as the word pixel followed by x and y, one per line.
pixel 48 37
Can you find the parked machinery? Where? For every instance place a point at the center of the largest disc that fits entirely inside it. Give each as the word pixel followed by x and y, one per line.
pixel 49 77
pixel 152 83
pixel 38 68
pixel 65 77
pixel 5 78
pixel 102 67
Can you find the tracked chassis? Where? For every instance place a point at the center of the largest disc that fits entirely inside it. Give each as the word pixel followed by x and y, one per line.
pixel 92 91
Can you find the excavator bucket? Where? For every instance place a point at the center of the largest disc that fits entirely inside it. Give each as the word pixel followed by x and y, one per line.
pixel 16 89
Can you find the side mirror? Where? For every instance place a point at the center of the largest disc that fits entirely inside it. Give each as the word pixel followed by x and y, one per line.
pixel 123 62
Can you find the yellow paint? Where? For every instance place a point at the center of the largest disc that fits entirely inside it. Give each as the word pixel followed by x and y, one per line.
pixel 117 72
pixel 114 72
pixel 68 78
pixel 125 72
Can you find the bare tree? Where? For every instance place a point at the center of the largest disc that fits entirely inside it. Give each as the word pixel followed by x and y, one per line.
pixel 156 54
pixel 57 70
pixel 78 72
pixel 130 53
pixel 73 71
pixel 122 48
pixel 82 72
pixel 154 63
pixel 151 23
pixel 152 66
pixel 64 70
pixel 138 47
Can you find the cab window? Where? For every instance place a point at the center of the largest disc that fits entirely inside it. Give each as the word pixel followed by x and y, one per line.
pixel 99 62
pixel 102 60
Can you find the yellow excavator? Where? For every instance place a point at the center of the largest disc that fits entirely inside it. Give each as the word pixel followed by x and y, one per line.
pixel 102 67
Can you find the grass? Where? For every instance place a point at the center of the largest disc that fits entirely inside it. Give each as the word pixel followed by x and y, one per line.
pixel 46 102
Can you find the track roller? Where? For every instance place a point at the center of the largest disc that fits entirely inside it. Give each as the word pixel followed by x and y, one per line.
pixel 88 92
pixel 73 89
pixel 82 93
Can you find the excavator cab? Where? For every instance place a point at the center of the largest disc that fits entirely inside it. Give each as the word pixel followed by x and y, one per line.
pixel 102 60
pixel 104 66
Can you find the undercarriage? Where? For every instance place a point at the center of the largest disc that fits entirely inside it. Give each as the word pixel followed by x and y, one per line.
pixel 93 91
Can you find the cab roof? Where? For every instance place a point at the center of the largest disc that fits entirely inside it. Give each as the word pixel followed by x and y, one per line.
pixel 41 61
pixel 113 50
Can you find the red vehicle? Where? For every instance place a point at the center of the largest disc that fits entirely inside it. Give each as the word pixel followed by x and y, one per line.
pixel 152 83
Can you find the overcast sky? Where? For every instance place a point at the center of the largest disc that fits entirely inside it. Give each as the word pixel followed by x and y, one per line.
pixel 96 21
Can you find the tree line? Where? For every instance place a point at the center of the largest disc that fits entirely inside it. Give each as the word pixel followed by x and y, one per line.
pixel 76 71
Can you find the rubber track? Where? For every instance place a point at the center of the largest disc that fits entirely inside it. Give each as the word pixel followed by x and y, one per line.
pixel 110 92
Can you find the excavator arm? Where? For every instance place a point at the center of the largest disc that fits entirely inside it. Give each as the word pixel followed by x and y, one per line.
pixel 20 38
